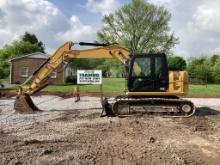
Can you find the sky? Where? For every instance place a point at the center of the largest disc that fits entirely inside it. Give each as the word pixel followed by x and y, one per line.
pixel 195 22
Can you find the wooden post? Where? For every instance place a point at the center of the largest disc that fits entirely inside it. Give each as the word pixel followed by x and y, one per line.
pixel 101 90
pixel 76 93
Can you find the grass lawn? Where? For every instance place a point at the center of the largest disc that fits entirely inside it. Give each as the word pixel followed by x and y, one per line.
pixel 117 85
pixel 203 90
pixel 109 85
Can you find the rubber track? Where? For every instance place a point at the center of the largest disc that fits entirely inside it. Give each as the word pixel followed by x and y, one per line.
pixel 156 101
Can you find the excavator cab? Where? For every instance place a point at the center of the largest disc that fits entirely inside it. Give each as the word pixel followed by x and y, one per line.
pixel 148 73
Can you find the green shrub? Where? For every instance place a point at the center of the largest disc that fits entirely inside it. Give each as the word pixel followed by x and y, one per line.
pixel 71 80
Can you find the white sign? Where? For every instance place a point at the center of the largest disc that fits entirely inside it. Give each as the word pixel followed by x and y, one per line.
pixel 89 77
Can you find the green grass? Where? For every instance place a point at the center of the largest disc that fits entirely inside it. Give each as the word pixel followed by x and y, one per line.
pixel 205 90
pixel 109 85
pixel 117 85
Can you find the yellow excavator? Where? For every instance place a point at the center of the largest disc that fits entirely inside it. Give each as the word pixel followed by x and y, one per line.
pixel 151 87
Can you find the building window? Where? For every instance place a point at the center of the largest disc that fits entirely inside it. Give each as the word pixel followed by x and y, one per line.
pixel 53 74
pixel 24 72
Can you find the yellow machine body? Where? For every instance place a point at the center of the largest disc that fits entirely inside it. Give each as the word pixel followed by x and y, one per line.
pixel 167 99
pixel 178 86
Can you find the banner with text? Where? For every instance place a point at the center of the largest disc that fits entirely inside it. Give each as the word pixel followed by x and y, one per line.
pixel 89 77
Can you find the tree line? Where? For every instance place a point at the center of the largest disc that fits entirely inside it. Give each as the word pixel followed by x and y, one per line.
pixel 201 70
pixel 139 26
pixel 204 69
pixel 26 44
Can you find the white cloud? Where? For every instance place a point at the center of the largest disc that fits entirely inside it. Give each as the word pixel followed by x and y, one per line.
pixel 77 31
pixel 103 6
pixel 162 2
pixel 207 17
pixel 216 50
pixel 196 23
pixel 201 33
pixel 42 18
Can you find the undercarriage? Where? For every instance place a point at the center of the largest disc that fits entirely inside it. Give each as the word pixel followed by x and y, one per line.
pixel 164 106
pixel 127 106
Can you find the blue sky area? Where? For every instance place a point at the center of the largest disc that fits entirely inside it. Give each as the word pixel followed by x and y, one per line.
pixel 78 7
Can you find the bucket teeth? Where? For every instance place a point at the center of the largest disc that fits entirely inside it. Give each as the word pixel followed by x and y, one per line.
pixel 24 104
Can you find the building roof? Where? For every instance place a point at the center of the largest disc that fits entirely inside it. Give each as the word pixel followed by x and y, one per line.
pixel 38 55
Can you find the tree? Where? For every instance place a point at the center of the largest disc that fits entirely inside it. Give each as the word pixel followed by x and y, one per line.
pixel 216 70
pixel 27 37
pixel 105 65
pixel 200 70
pixel 140 26
pixel 214 58
pixel 17 48
pixel 176 62
pixel 112 66
pixel 84 63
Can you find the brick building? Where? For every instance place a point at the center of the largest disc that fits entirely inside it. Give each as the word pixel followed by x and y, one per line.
pixel 23 66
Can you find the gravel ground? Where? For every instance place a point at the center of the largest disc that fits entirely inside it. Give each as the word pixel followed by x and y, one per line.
pixel 67 132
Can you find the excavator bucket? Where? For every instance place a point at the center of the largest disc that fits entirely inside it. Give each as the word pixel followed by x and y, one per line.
pixel 24 104
pixel 106 108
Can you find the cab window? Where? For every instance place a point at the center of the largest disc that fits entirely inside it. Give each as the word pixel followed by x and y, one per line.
pixel 142 67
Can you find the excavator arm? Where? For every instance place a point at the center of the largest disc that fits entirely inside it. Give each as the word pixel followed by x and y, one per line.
pixel 38 79
pixel 163 101
pixel 63 53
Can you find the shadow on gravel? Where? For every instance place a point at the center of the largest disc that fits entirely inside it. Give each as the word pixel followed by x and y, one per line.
pixel 206 111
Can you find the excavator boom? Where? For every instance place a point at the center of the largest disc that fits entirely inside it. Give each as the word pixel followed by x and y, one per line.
pixel 152 88
pixel 39 78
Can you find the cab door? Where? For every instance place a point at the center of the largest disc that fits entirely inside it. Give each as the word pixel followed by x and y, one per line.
pixel 161 78
pixel 148 72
